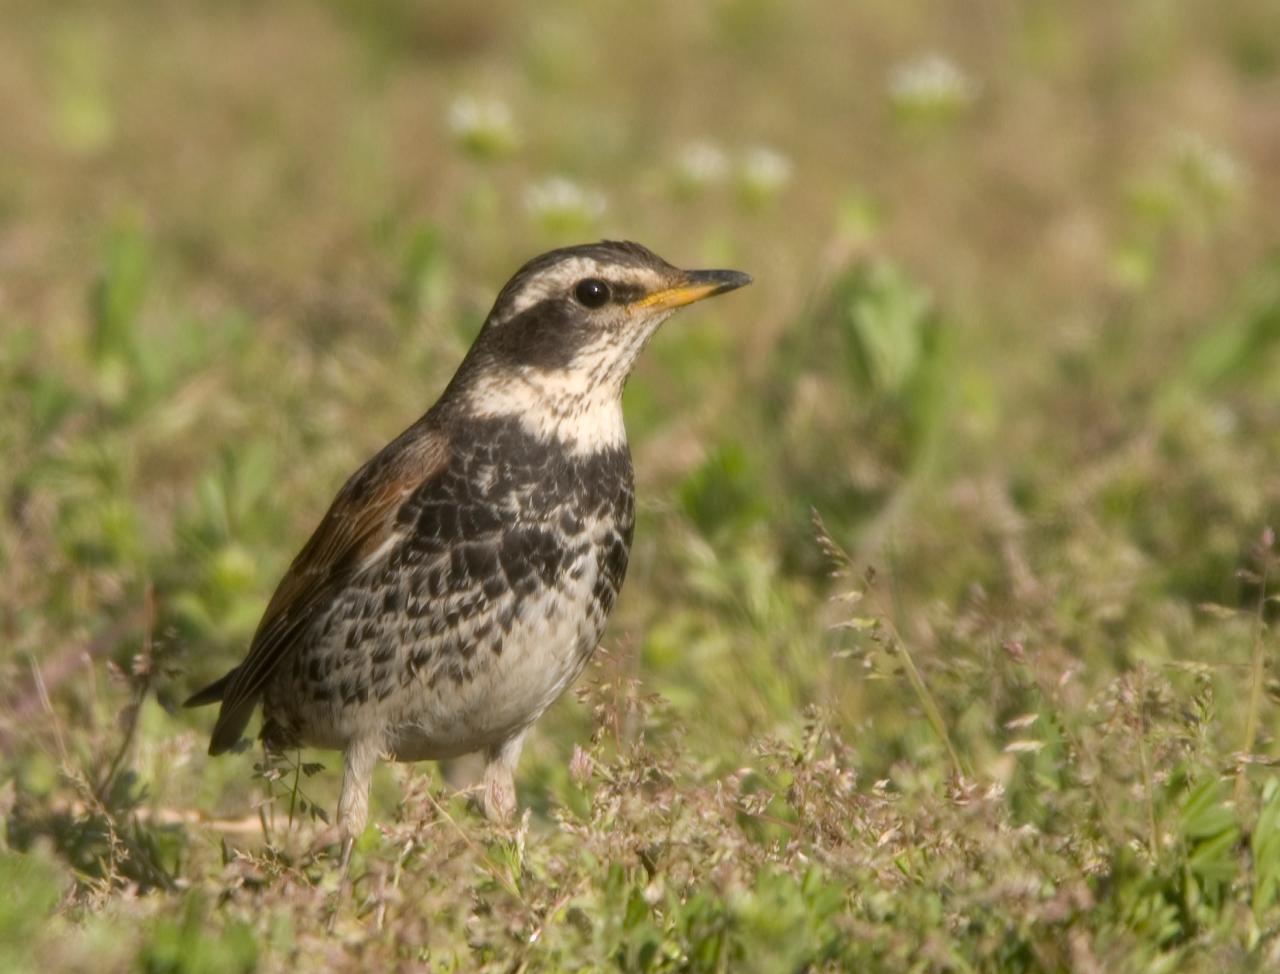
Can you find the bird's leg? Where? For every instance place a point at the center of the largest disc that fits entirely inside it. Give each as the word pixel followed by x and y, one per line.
pixel 353 806
pixel 499 781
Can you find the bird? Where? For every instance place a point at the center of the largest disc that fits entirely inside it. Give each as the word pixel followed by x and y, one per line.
pixel 461 579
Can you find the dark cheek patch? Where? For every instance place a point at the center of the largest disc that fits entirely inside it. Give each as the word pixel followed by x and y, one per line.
pixel 626 293
pixel 546 335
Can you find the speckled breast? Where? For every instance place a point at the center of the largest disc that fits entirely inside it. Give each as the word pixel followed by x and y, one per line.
pixel 492 599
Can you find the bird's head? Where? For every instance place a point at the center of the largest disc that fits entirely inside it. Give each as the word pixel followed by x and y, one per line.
pixel 565 333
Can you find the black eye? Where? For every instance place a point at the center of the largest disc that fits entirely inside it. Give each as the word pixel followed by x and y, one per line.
pixel 592 292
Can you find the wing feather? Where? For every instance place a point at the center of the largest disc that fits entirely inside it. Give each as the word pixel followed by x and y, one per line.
pixel 357 532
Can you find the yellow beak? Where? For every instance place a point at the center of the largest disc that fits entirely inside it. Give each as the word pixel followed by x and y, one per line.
pixel 694 286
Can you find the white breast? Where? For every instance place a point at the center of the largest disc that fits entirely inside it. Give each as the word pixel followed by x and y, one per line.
pixel 550 640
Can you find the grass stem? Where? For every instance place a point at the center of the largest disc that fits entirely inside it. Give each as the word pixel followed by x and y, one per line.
pixel 1257 671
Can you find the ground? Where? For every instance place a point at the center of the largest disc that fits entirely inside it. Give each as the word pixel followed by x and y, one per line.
pixel 947 641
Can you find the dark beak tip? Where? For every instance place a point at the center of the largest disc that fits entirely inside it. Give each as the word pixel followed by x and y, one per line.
pixel 722 281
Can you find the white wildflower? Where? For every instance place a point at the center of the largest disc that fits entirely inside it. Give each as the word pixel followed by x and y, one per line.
pixel 561 204
pixel 701 164
pixel 484 128
pixel 1210 170
pixel 764 173
pixel 931 86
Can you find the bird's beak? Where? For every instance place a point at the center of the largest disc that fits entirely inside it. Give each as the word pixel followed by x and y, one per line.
pixel 693 286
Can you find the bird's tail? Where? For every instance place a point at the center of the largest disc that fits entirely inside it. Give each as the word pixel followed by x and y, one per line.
pixel 213 693
pixel 231 723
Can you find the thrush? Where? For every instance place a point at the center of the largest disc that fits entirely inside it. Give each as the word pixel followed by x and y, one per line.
pixel 461 578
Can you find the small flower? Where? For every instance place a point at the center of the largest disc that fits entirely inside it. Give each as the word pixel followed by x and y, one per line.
pixel 1207 170
pixel 561 205
pixel 1023 747
pixel 580 766
pixel 483 128
pixel 931 88
pixel 699 165
pixel 764 173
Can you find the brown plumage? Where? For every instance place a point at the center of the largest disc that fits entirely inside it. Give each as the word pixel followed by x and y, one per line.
pixel 359 520
pixel 462 577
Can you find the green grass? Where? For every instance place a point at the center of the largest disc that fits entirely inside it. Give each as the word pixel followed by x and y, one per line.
pixel 948 638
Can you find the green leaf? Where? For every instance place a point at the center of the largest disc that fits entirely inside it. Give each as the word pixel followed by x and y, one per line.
pixel 1205 813
pixel 1265 846
pixel 886 319
pixel 117 296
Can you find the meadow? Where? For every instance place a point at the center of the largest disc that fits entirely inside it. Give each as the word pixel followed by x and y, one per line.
pixel 947 642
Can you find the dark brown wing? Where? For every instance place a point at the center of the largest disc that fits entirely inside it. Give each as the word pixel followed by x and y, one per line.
pixel 358 528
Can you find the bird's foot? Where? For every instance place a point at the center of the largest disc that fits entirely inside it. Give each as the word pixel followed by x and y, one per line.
pixel 320 844
pixel 499 784
pixel 499 798
pixel 344 881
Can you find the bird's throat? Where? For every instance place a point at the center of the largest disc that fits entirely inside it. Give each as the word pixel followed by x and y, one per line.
pixel 577 410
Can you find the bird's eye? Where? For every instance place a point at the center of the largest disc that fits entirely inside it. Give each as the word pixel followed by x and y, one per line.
pixel 592 292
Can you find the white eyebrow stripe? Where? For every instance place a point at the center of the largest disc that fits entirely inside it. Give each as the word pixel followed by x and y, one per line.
pixel 561 278
pixel 553 280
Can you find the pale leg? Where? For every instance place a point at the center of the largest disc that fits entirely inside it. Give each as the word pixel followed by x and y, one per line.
pixel 353 804
pixel 499 779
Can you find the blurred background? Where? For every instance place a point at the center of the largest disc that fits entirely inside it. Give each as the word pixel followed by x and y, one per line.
pixel 1014 339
